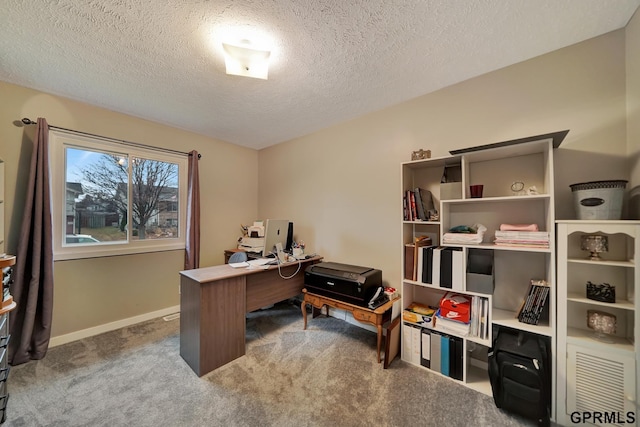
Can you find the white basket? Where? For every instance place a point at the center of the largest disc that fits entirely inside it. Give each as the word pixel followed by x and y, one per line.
pixel 599 199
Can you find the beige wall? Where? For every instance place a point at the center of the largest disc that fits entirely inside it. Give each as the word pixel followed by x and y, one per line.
pixel 633 110
pixel 93 292
pixel 341 185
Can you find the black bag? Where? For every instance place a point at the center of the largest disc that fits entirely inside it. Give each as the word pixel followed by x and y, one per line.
pixel 520 374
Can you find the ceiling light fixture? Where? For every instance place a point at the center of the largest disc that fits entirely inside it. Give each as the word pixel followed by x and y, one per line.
pixel 246 62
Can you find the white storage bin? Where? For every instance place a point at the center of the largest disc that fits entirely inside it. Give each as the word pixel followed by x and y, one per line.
pixel 598 199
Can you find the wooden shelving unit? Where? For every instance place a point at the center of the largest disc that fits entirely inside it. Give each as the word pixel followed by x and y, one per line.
pixel 529 160
pixel 589 365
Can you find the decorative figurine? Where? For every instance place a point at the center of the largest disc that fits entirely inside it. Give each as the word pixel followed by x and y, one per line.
pixel 595 244
pixel 421 154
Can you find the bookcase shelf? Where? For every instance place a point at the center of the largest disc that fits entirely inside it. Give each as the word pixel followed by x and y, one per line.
pixel 512 267
pixel 495 247
pixel 510 320
pixel 585 357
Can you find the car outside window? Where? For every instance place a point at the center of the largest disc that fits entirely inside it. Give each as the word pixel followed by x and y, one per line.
pixel 111 199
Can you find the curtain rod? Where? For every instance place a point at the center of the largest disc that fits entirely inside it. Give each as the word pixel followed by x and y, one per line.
pixel 28 121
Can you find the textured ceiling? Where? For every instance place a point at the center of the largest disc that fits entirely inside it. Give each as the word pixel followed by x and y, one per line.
pixel 331 61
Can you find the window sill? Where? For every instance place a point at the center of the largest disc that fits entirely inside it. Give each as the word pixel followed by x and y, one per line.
pixel 86 251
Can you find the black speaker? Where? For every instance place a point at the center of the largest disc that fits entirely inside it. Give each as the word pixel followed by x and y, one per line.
pixel 289 238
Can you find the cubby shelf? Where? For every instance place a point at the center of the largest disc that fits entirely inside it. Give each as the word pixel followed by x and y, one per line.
pixel 586 357
pixel 496 167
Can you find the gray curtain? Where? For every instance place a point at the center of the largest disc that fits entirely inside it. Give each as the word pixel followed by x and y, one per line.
pixel 30 322
pixel 192 252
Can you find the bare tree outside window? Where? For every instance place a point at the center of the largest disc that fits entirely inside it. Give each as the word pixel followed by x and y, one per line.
pixel 110 188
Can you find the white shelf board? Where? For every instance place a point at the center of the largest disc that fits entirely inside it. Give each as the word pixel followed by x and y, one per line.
pixel 422 222
pixel 621 304
pixel 510 320
pixel 585 338
pixel 499 247
pixel 433 162
pixel 426 285
pixel 478 379
pixel 629 264
pixel 501 199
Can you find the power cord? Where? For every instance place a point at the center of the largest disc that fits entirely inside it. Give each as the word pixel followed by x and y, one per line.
pixel 279 264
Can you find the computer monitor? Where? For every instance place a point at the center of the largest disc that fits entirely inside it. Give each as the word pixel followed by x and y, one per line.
pixel 276 231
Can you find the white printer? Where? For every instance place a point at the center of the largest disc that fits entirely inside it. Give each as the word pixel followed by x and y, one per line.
pixel 251 244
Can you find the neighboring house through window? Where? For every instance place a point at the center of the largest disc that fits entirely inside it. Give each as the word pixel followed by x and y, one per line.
pixel 112 198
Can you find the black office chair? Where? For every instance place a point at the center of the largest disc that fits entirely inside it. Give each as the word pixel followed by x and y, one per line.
pixel 238 257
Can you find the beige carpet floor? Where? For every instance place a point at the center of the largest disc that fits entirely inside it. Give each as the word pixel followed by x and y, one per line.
pixel 324 376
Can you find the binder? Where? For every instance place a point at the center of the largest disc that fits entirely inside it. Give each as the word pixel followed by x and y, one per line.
pixel 420 265
pixel 415 345
pixel 425 359
pixel 445 268
pixel 457 269
pixel 419 206
pixel 451 270
pixel 444 352
pixel 457 361
pixel 435 351
pixel 418 243
pixel 408 260
pixel 435 272
pixel 407 334
pixel 427 264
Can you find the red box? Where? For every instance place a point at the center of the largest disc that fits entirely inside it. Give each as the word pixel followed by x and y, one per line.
pixel 455 307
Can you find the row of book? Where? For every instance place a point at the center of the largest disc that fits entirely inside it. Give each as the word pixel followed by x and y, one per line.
pixel 534 304
pixel 418 205
pixel 434 350
pixel 432 317
pixel 436 265
pixel 411 256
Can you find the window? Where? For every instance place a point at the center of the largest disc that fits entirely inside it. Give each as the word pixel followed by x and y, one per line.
pixel 112 198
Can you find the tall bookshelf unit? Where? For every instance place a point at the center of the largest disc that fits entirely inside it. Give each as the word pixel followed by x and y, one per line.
pixel 598 374
pixel 496 167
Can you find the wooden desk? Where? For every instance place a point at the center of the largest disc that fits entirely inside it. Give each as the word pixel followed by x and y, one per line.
pixel 213 303
pixel 375 317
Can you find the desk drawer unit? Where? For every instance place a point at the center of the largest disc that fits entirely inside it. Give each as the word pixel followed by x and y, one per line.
pixel 363 316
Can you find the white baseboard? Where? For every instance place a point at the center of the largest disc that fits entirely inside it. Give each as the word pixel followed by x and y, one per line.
pixel 96 330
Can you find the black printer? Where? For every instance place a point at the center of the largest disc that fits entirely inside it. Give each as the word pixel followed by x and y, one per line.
pixel 348 283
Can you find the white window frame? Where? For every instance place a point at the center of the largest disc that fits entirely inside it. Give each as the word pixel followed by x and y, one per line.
pixel 59 140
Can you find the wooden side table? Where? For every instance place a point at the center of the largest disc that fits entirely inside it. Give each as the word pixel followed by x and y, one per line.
pixel 375 317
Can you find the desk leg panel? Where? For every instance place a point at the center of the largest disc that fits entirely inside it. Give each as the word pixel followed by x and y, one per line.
pixel 212 322
pixel 268 287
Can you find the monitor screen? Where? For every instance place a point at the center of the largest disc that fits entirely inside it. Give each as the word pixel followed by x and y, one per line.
pixel 276 231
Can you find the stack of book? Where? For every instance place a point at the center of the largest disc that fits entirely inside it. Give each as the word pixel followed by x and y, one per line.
pixel 534 303
pixel 529 239
pixel 479 317
pixel 419 314
pixel 465 235
pixel 418 205
pixel 524 235
pixel 451 326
